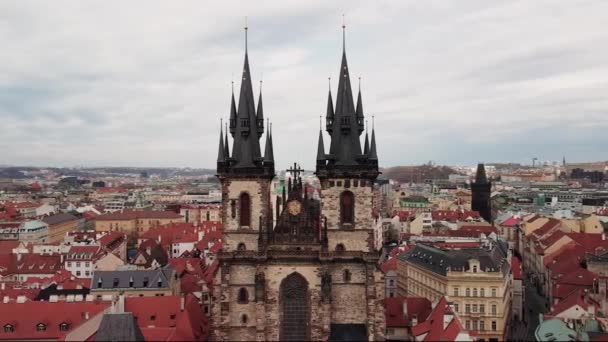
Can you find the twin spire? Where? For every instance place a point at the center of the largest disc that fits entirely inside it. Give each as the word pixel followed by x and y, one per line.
pixel 246 125
pixel 345 122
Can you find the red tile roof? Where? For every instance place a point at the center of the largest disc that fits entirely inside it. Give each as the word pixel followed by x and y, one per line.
pixel 91 252
pixel 404 215
pixel 434 327
pixel 546 228
pixel 416 306
pixel 165 313
pixel 511 221
pixel 138 214
pixel 577 297
pixel 454 215
pixel 389 265
pixel 6 246
pixel 26 316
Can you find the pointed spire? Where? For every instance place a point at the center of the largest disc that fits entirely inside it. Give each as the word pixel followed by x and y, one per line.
pixel 260 114
pixel 480 176
pixel 226 146
pixel 271 141
pixel 268 153
pixel 329 115
pixel 321 148
pixel 232 113
pixel 221 151
pixel 359 110
pixel 366 146
pixel 373 155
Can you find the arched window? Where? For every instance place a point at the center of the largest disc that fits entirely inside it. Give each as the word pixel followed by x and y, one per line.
pixel 244 319
pixel 347 208
pixel 40 327
pixel 64 326
pixel 295 309
pixel 245 210
pixel 9 328
pixel 340 248
pixel 346 276
pixel 241 247
pixel 475 292
pixel 243 296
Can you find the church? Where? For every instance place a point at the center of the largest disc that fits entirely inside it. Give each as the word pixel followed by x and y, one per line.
pixel 297 268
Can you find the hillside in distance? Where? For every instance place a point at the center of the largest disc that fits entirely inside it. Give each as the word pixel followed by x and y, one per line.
pixel 417 173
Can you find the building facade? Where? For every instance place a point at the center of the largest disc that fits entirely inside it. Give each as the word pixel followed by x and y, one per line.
pixel 476 281
pixel 312 274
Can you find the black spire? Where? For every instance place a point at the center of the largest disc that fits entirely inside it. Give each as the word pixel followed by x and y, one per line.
pixel 246 159
pixel 480 175
pixel 481 191
pixel 246 147
pixel 366 146
pixel 232 113
pixel 260 115
pixel 321 149
pixel 359 110
pixel 345 125
pixel 268 153
pixel 226 148
pixel 373 155
pixel 329 116
pixel 221 157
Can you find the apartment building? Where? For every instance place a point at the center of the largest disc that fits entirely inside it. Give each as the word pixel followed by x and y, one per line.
pixel 476 280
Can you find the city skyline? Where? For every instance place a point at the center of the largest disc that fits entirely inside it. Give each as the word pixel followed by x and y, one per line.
pixel 455 84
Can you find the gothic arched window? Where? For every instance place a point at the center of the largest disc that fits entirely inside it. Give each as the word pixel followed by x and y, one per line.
pixel 347 208
pixel 244 210
pixel 295 309
pixel 340 248
pixel 241 247
pixel 244 319
pixel 243 296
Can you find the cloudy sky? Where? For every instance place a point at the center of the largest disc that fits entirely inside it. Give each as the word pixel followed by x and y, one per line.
pixel 144 83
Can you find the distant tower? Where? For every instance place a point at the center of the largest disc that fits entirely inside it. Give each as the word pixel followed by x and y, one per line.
pixel 564 162
pixel 480 192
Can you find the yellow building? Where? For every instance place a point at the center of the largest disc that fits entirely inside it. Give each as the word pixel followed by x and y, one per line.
pixel 60 225
pixel 138 221
pixel 476 281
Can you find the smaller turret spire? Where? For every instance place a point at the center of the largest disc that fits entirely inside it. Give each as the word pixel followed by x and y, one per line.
pixel 221 151
pixel 329 115
pixel 320 146
pixel 268 153
pixel 232 112
pixel 373 155
pixel 260 114
pixel 366 145
pixel 246 28
pixel 226 146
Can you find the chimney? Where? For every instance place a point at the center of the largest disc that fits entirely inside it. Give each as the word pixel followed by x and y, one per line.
pixel 61 258
pixel 18 256
pixel 21 299
pixel 86 315
pixel 3 286
pixel 182 302
pixel 603 236
pixel 404 304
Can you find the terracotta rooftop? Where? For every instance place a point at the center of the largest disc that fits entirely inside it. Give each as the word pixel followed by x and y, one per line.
pixel 138 214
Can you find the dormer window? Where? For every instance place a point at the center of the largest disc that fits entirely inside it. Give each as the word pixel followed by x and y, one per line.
pixel 99 282
pixel 146 281
pixel 115 282
pixel 40 327
pixel 9 328
pixel 131 282
pixel 160 283
pixel 64 326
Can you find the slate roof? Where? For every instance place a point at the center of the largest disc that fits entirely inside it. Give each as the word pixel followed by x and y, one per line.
pixel 164 275
pixel 119 327
pixel 59 218
pixel 440 261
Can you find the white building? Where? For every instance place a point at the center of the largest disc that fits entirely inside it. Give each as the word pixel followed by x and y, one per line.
pixel 34 232
pixel 80 260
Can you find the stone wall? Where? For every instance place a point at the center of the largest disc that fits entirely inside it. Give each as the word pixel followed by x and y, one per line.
pixel 330 202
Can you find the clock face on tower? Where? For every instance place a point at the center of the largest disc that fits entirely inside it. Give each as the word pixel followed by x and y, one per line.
pixel 294 207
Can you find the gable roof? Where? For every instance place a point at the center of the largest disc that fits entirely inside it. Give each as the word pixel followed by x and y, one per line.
pixel 59 218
